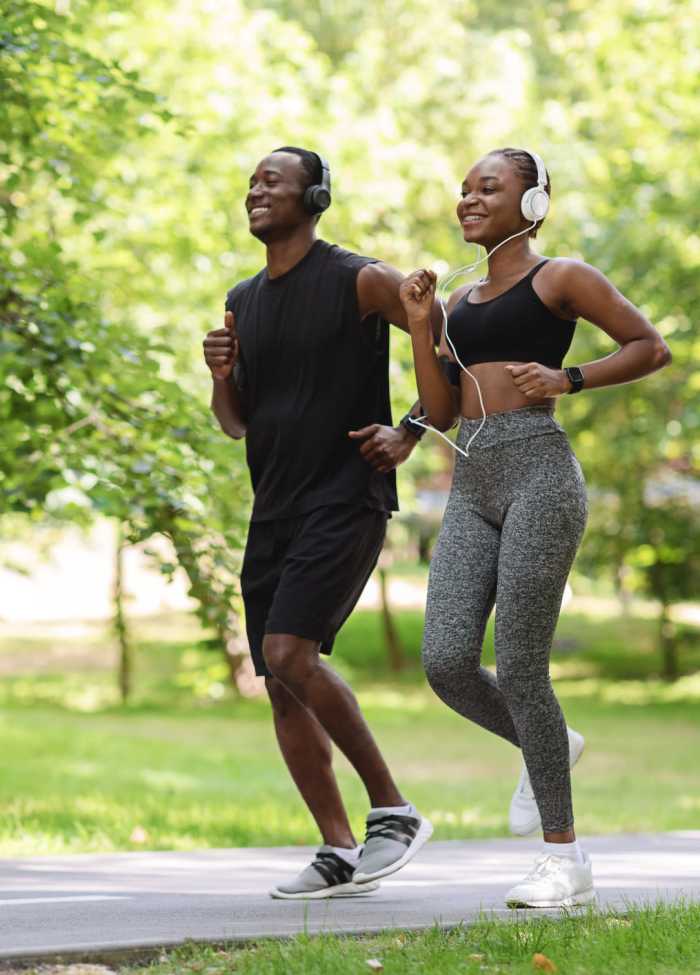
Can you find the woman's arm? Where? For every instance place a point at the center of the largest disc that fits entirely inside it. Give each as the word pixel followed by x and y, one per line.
pixel 584 292
pixel 437 396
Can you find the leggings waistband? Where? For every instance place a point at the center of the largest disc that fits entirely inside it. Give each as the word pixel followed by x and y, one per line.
pixel 529 421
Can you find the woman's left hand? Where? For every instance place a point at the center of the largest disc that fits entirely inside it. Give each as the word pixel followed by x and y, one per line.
pixel 538 381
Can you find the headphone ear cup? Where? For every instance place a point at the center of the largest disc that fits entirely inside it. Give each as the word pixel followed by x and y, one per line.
pixel 316 199
pixel 534 204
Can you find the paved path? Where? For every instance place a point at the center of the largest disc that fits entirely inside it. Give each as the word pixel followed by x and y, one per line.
pixel 92 904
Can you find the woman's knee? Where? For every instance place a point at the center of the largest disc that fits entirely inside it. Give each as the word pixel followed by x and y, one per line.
pixel 523 685
pixel 447 670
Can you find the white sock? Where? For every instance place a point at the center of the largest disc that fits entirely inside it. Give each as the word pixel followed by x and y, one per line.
pixel 350 856
pixel 570 850
pixel 393 810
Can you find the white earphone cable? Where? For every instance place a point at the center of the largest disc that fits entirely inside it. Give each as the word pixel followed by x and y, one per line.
pixel 441 295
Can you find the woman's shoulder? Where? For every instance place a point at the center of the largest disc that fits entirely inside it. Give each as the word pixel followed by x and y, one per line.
pixel 457 295
pixel 568 269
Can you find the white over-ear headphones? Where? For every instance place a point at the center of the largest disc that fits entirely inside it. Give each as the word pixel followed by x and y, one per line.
pixel 534 204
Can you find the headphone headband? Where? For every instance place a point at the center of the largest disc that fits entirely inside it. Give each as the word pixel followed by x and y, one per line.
pixel 541 169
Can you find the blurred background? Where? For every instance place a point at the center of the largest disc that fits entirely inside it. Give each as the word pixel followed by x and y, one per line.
pixel 127 135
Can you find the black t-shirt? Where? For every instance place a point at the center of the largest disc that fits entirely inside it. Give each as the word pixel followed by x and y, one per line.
pixel 311 370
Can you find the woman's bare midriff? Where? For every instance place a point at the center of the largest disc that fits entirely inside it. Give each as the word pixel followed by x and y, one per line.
pixel 497 389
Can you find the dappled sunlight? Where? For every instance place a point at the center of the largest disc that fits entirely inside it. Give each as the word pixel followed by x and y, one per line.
pixel 463 817
pixel 636 692
pixel 412 701
pixel 167 781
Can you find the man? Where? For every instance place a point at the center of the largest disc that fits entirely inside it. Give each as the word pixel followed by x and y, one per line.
pixel 301 371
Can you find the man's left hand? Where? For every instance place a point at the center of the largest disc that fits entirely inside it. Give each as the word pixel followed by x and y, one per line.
pixel 384 447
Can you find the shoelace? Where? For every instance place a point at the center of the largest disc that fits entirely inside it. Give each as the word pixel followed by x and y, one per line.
pixel 332 867
pixel 545 865
pixel 400 828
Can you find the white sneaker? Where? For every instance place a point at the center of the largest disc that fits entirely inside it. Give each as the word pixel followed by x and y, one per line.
pixel 524 816
pixel 554 882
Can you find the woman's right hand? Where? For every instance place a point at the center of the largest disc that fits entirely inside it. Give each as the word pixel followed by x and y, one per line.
pixel 417 293
pixel 221 348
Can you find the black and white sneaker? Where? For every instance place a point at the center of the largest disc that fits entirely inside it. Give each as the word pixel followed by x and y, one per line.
pixel 392 840
pixel 328 875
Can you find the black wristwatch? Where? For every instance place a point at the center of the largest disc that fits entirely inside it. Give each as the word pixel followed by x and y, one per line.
pixel 575 377
pixel 415 429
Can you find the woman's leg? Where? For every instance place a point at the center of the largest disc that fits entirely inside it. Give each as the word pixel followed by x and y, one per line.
pixel 541 532
pixel 461 592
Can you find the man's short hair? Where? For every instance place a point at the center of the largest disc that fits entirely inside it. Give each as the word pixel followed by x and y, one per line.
pixel 309 160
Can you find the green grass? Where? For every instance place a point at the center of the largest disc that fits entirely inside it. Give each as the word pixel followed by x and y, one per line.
pixel 648 941
pixel 193 778
pixel 183 767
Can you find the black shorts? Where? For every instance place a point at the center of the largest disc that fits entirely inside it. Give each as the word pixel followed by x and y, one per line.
pixel 304 575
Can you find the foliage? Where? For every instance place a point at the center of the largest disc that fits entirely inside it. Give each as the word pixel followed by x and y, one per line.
pixel 90 422
pixel 127 133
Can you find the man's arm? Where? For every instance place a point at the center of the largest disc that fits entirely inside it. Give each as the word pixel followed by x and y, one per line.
pixel 378 293
pixel 221 354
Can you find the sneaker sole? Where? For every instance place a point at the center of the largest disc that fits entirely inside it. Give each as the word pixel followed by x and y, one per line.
pixel 584 897
pixel 425 831
pixel 342 890
pixel 537 824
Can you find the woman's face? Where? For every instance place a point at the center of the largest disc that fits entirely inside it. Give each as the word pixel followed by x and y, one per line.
pixel 489 208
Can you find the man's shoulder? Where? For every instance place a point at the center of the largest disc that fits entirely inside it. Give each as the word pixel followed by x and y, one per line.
pixel 238 291
pixel 344 258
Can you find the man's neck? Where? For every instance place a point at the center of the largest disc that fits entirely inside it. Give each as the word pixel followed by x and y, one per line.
pixel 282 255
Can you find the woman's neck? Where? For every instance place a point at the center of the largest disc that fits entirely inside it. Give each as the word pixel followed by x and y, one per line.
pixel 511 260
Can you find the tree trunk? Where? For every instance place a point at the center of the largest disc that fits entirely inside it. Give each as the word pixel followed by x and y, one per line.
pixel 120 624
pixel 214 611
pixel 669 645
pixel 391 637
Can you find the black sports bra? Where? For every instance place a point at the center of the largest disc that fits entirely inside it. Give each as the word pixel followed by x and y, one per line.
pixel 515 326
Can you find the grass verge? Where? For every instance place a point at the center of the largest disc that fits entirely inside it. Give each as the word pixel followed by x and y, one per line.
pixel 649 941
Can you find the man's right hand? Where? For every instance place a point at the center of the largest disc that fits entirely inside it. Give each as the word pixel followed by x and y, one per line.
pixel 221 348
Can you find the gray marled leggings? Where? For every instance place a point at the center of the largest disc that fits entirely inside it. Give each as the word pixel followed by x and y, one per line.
pixel 513 522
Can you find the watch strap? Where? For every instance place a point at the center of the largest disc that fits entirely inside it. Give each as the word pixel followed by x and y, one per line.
pixel 575 377
pixel 415 429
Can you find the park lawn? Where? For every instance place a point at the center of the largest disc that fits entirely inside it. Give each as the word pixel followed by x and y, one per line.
pixel 640 942
pixel 183 767
pixel 185 778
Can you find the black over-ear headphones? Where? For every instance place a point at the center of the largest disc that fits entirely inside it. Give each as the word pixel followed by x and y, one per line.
pixel 317 197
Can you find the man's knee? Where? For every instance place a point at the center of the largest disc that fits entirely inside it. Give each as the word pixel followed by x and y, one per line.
pixel 290 659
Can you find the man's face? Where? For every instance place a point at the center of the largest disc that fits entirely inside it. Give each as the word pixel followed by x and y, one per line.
pixel 274 200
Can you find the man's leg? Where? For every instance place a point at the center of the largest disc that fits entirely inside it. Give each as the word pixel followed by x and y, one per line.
pixel 296 664
pixel 307 751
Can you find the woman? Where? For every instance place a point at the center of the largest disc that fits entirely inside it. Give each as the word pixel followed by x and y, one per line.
pixel 517 507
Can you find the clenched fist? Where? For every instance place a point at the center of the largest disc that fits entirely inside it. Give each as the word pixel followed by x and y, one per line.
pixel 221 348
pixel 417 292
pixel 538 381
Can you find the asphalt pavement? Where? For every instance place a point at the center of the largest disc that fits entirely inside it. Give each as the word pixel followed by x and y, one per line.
pixel 107 905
